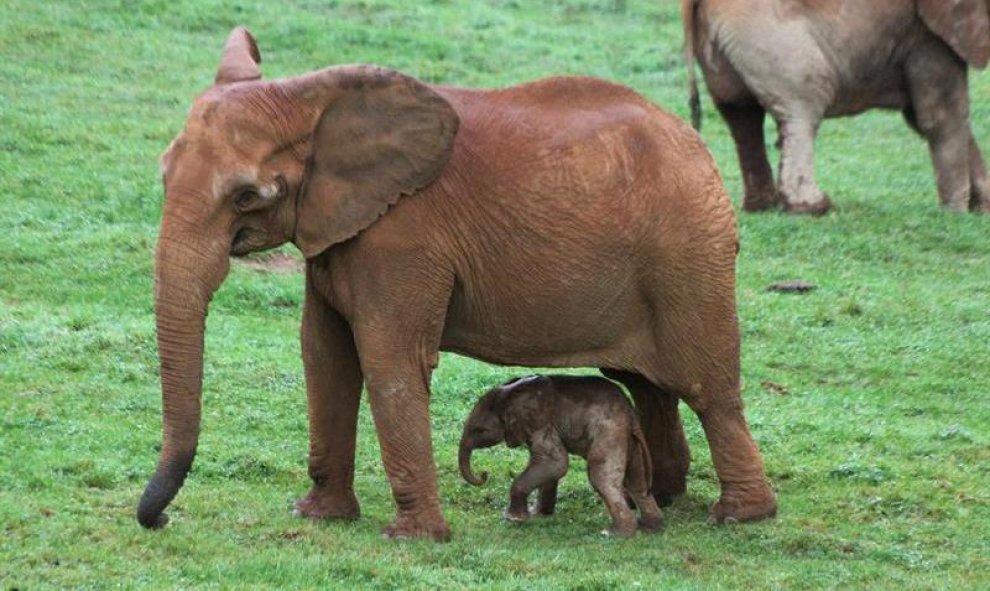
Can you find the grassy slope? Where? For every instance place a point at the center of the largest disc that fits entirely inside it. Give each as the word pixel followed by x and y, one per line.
pixel 880 447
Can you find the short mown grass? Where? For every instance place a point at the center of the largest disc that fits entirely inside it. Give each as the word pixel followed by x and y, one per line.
pixel 869 396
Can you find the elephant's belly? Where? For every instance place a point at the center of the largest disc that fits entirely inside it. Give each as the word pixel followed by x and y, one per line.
pixel 610 330
pixel 876 90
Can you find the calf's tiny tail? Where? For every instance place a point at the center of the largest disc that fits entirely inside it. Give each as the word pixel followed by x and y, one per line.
pixel 644 453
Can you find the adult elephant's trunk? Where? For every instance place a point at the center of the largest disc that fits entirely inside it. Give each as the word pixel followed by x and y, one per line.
pixel 186 275
pixel 464 461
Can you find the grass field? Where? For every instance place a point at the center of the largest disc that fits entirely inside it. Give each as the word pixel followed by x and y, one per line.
pixel 868 396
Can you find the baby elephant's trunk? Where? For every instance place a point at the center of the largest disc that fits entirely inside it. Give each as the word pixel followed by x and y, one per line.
pixel 464 460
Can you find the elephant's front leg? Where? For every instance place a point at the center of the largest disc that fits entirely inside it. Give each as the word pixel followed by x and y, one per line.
pixel 400 405
pixel 398 357
pixel 333 387
pixel 546 503
pixel 547 465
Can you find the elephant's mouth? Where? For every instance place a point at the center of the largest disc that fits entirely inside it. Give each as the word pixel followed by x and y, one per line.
pixel 245 241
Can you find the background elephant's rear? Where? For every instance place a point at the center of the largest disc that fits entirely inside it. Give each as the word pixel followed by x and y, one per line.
pixel 803 62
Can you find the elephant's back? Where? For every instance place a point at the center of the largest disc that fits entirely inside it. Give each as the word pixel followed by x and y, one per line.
pixel 598 143
pixel 562 110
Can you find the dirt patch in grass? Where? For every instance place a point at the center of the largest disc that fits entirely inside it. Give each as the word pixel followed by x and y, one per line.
pixel 278 262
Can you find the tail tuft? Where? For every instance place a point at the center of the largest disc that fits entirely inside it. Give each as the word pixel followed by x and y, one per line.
pixel 687 16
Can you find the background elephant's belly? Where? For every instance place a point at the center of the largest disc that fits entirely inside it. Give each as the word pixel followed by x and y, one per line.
pixel 549 325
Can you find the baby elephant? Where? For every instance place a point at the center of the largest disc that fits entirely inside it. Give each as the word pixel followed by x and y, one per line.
pixel 554 415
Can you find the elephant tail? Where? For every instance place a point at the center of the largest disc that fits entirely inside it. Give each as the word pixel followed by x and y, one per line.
pixel 644 452
pixel 687 16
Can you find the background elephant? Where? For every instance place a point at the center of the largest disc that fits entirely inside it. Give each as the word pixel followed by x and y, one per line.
pixel 804 61
pixel 566 222
pixel 556 415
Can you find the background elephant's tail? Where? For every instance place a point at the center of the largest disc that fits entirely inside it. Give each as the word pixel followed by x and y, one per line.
pixel 687 16
pixel 644 452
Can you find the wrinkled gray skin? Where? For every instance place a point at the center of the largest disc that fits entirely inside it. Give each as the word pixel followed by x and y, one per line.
pixel 556 415
pixel 805 60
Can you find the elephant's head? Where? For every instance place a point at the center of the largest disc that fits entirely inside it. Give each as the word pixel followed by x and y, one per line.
pixel 313 159
pixel 511 412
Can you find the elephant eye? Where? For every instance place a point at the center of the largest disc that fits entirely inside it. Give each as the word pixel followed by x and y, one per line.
pixel 245 198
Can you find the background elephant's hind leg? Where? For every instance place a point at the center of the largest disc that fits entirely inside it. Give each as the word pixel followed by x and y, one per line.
pixel 660 419
pixel 798 188
pixel 746 125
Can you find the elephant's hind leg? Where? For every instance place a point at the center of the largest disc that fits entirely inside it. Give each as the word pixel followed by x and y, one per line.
pixel 698 357
pixel 746 494
pixel 800 192
pixel 661 422
pixel 606 469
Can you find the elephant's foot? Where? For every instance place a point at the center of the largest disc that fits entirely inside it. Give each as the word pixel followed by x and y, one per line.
pixel 516 515
pixel 624 523
pixel 650 516
pixel 665 497
pixel 670 477
pixel 980 205
pixel 761 201
pixel 651 524
pixel 322 504
pixel 625 528
pixel 538 511
pixel 408 526
pixel 736 507
pixel 542 508
pixel 818 207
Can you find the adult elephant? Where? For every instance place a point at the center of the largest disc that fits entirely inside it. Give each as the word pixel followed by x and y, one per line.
pixel 802 61
pixel 567 222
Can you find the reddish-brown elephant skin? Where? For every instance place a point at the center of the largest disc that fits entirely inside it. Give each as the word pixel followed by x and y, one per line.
pixel 567 222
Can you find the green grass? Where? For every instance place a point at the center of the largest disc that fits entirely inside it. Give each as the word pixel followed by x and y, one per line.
pixel 868 396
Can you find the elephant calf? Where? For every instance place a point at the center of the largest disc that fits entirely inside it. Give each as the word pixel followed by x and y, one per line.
pixel 556 415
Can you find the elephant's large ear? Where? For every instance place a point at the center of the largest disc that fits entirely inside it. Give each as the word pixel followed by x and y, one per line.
pixel 240 58
pixel 382 136
pixel 528 406
pixel 963 24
